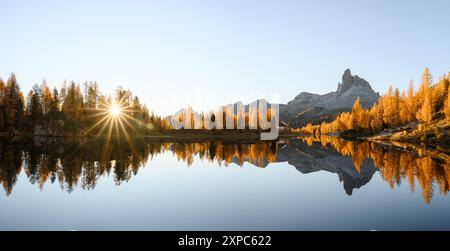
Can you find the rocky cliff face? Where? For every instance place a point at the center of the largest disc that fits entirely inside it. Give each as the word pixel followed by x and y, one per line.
pixel 313 108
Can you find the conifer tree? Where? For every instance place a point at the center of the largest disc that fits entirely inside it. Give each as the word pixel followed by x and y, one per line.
pixel 92 95
pixel 376 113
pixel 73 104
pixel 12 102
pixel 55 104
pixel 20 116
pixel 46 97
pixel 35 105
pixel 357 115
pixel 410 103
pixel 447 106
pixel 404 111
pixel 426 78
pixel 395 108
pixel 28 103
pixel 426 112
pixel 426 81
pixel 388 107
pixel 63 92
pixel 137 109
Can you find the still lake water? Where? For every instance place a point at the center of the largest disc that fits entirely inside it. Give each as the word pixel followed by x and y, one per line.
pixel 297 184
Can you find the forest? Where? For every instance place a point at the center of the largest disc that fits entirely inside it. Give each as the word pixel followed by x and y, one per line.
pixel 422 109
pixel 82 109
pixel 71 110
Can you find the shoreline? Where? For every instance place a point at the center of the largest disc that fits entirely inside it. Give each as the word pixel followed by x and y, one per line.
pixel 235 135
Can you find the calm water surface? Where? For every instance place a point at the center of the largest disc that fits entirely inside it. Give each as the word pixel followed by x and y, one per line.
pixel 297 184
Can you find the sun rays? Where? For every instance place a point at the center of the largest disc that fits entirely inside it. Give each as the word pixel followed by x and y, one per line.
pixel 113 120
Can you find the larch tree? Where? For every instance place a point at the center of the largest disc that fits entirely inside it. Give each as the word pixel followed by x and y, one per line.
pixel 447 106
pixel 388 106
pixel 123 97
pixel 137 109
pixel 55 104
pixel 46 97
pixel 20 116
pixel 396 108
pixel 404 110
pixel 426 77
pixel 410 102
pixel 426 81
pixel 36 105
pixel 357 115
pixel 376 113
pixel 425 113
pixel 92 95
pixel 63 92
pixel 439 93
pixel 12 102
pixel 73 103
pixel 28 103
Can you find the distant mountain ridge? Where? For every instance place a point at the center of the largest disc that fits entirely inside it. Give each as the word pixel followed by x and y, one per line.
pixel 314 108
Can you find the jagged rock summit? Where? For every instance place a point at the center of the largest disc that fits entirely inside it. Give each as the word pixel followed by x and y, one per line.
pixel 349 81
pixel 314 108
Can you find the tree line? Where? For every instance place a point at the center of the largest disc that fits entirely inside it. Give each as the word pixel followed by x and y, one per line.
pixel 76 104
pixel 430 102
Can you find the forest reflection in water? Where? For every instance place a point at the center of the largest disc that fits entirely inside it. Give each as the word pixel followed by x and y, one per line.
pixel 82 164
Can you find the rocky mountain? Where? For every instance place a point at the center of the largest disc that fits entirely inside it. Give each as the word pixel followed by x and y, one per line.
pixel 314 108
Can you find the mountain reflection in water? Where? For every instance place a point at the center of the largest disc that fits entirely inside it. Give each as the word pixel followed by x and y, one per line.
pixel 83 164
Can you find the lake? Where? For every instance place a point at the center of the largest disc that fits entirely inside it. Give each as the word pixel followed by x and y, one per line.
pixel 315 183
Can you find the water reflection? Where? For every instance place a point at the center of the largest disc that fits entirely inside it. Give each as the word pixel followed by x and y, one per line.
pixel 82 164
pixel 427 168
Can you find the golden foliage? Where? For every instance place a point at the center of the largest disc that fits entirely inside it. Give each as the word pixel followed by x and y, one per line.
pixel 392 109
pixel 447 106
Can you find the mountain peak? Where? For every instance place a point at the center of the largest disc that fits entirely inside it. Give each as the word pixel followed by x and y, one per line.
pixel 315 108
pixel 347 76
pixel 349 80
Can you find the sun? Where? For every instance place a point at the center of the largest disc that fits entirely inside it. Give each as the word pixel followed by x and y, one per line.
pixel 113 117
pixel 115 110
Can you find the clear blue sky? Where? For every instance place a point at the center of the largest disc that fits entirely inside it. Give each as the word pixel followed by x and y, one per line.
pixel 172 53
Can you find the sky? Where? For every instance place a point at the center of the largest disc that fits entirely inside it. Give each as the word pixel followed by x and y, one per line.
pixel 208 53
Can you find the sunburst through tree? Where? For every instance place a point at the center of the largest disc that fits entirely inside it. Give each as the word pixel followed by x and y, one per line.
pixel 114 120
